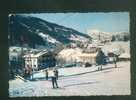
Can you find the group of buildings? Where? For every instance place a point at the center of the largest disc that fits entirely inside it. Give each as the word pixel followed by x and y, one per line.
pixel 20 58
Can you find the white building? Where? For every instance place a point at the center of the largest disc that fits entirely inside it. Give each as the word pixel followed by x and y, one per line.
pixel 14 53
pixel 37 60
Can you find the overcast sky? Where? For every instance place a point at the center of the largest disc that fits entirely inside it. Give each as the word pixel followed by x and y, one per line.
pixel 107 22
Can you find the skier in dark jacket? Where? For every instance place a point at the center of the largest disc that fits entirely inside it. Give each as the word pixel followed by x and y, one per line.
pixel 46 74
pixel 56 74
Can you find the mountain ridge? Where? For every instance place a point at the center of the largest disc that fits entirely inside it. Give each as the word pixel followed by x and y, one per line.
pixel 28 29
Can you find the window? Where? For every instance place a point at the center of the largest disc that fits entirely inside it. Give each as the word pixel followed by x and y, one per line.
pixel 14 58
pixel 34 65
pixel 14 50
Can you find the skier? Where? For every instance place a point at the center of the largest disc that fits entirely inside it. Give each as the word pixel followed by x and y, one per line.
pixel 46 74
pixel 114 60
pixel 54 79
pixel 56 74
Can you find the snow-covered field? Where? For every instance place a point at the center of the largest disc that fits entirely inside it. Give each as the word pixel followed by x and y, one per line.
pixel 76 81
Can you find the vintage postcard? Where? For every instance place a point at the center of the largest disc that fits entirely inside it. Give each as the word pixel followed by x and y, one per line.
pixel 69 54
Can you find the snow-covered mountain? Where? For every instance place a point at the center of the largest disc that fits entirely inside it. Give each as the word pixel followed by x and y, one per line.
pixel 113 36
pixel 35 31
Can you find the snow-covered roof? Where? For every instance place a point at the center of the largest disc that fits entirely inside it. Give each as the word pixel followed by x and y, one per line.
pixel 12 48
pixel 41 53
pixel 70 52
pixel 88 54
pixel 76 54
pixel 37 54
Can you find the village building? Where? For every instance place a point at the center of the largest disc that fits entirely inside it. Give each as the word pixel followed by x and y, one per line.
pixel 87 58
pixel 14 53
pixel 77 56
pixel 42 59
pixel 90 48
pixel 15 60
pixel 124 57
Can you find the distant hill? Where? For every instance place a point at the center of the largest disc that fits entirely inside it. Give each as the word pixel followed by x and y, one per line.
pixel 121 36
pixel 35 31
pixel 116 36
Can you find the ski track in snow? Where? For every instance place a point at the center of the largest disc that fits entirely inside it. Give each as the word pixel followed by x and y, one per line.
pixel 78 81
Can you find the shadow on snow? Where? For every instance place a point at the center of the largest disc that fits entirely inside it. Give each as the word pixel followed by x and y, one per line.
pixel 83 83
